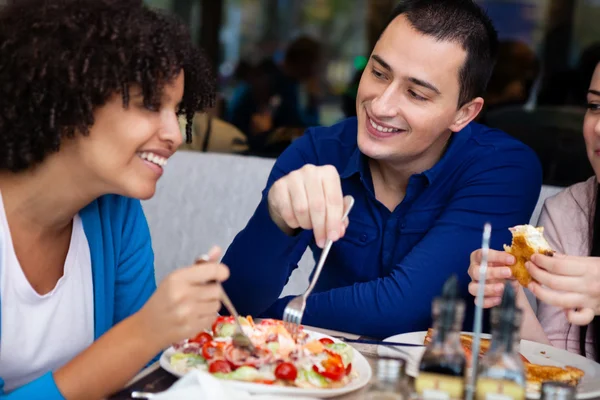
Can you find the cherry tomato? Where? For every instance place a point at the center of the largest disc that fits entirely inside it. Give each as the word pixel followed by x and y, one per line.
pixel 349 369
pixel 201 338
pixel 333 372
pixel 286 371
pixel 210 349
pixel 219 366
pixel 220 321
pixel 325 341
pixel 333 367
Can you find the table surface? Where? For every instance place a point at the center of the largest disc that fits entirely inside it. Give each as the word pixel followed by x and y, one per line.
pixel 155 379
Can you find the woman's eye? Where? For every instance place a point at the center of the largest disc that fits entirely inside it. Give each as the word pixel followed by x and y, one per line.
pixel 593 106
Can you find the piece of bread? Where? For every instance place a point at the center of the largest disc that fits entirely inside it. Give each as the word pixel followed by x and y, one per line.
pixel 535 374
pixel 526 241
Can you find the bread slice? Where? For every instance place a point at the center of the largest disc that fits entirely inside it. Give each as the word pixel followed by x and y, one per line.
pixel 526 241
pixel 537 374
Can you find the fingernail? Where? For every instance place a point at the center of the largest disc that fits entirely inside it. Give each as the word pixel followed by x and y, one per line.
pixel 202 258
pixel 510 260
pixel 506 273
pixel 321 243
pixel 528 265
pixel 333 235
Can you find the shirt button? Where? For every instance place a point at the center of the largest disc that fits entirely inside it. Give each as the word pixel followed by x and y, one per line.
pixel 363 237
pixel 403 225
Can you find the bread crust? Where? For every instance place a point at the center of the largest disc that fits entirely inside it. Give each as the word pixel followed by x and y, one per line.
pixel 535 374
pixel 522 251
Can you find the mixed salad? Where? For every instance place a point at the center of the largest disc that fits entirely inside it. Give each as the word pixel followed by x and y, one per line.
pixel 278 360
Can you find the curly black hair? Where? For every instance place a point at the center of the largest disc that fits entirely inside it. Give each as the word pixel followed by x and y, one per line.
pixel 61 59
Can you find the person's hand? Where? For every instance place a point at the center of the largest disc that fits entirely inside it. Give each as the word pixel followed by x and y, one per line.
pixel 309 198
pixel 185 303
pixel 568 282
pixel 498 272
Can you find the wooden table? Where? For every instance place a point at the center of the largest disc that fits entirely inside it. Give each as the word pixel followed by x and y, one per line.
pixel 155 379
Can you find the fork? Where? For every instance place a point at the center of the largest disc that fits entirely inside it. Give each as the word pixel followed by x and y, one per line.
pixel 294 311
pixel 239 338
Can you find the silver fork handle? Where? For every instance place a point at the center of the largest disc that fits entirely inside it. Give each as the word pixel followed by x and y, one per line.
pixel 324 254
pixel 224 298
pixel 229 306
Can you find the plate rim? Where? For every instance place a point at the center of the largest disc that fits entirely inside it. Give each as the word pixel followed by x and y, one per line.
pixel 359 383
pixel 590 393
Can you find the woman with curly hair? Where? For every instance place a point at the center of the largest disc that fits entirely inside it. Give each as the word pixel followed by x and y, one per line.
pixel 90 93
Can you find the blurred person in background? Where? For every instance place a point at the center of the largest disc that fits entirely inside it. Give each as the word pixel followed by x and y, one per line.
pixel 273 101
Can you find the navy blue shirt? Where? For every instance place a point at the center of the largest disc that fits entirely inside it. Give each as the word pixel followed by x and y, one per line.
pixel 381 277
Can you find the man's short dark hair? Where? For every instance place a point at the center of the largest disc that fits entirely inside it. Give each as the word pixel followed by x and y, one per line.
pixel 62 59
pixel 463 22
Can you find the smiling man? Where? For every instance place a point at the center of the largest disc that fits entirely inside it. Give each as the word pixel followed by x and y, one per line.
pixel 424 176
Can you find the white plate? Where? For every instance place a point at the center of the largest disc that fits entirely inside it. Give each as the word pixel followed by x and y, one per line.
pixel 536 353
pixel 359 364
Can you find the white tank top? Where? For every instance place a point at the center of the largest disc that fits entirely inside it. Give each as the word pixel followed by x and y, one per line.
pixel 42 333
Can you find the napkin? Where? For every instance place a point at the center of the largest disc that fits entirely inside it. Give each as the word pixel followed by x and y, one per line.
pixel 196 385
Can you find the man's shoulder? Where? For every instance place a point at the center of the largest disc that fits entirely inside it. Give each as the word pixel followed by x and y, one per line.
pixel 484 136
pixel 343 132
pixel 495 147
pixel 333 144
pixel 499 156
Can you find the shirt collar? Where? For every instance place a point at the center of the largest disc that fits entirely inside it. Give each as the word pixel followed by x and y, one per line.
pixel 357 162
pixel 355 165
pixel 456 142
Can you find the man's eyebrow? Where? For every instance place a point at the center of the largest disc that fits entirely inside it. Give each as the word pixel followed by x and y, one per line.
pixel 381 62
pixel 425 84
pixel 595 92
pixel 416 81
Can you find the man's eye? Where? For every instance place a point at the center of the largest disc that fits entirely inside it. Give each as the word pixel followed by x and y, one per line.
pixel 415 96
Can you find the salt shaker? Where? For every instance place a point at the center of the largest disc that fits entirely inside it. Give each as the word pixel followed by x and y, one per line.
pixel 557 391
pixel 389 380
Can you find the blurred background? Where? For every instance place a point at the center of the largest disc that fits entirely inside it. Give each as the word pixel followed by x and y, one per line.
pixel 285 65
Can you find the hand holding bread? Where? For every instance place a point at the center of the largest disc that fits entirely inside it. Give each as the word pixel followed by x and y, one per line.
pixel 526 241
pixel 568 282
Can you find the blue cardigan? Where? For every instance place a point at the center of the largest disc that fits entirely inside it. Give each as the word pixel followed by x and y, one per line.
pixel 122 273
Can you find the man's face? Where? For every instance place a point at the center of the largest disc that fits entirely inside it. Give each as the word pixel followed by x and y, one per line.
pixel 407 101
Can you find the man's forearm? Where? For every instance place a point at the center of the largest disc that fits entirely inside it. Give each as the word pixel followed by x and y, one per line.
pixel 108 364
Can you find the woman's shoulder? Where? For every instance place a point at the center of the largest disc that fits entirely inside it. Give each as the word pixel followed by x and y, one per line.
pixel 575 198
pixel 112 211
pixel 566 218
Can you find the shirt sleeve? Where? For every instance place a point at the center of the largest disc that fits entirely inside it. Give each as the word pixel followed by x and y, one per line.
pixel 502 191
pixel 43 388
pixel 261 257
pixel 135 281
